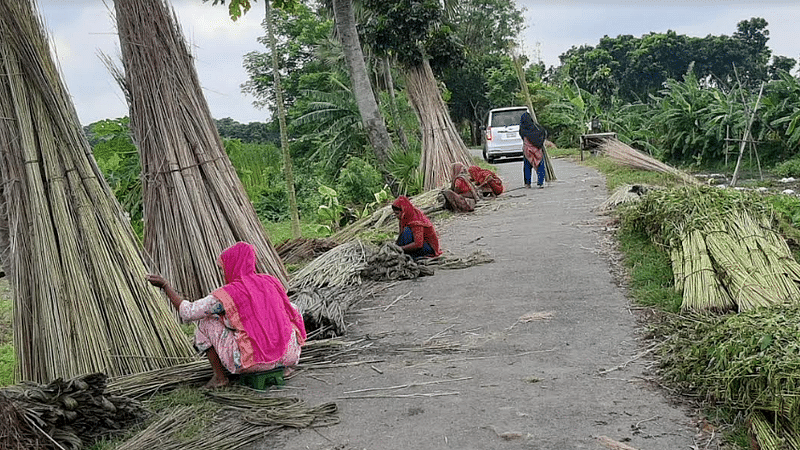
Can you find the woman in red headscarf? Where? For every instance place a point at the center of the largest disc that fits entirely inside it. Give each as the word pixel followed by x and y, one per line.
pixel 248 325
pixel 462 195
pixel 486 181
pixel 417 236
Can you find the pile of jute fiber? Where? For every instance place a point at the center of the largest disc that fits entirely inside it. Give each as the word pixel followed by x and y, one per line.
pixel 230 418
pixel 390 263
pixel 61 415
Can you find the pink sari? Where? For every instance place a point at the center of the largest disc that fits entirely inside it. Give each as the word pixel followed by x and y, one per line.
pixel 257 306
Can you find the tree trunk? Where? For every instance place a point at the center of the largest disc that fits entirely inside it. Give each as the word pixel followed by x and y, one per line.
pixel 441 144
pixel 362 88
pixel 401 134
pixel 288 171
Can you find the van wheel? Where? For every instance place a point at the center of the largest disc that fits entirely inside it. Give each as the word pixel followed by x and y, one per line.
pixel 490 160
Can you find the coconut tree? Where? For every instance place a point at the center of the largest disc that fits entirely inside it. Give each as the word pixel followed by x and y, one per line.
pixel 76 269
pixel 414 33
pixel 362 88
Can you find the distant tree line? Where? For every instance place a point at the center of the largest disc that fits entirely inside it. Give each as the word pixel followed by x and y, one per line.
pixel 633 68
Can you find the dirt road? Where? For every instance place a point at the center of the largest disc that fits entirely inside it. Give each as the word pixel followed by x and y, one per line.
pixel 537 350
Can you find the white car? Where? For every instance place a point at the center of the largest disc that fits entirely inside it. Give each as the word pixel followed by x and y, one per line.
pixel 501 135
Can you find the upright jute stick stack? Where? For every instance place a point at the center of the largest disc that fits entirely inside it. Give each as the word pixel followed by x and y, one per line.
pixel 441 144
pixel 81 303
pixel 194 204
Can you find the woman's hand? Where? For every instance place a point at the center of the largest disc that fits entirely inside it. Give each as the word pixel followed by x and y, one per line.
pixel 156 280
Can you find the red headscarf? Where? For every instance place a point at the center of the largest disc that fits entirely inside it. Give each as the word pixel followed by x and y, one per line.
pixel 257 306
pixel 461 183
pixel 410 216
pixel 413 217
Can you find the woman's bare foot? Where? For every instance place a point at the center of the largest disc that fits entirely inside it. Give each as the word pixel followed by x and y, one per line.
pixel 216 382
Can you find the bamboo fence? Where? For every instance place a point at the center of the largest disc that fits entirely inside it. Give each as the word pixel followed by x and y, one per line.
pixel 81 303
pixel 194 203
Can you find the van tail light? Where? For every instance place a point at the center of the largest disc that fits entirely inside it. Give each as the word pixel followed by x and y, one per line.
pixel 489 134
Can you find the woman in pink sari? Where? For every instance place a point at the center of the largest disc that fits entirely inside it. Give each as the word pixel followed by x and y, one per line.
pixel 248 325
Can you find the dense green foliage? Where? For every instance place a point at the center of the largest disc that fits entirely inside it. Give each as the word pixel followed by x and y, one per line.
pixel 635 68
pixel 119 161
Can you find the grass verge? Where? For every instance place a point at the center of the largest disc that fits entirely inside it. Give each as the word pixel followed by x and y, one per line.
pixel 651 283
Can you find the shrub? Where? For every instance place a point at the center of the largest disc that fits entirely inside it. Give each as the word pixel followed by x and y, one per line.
pixel 358 182
pixel 790 168
pixel 272 201
pixel 404 167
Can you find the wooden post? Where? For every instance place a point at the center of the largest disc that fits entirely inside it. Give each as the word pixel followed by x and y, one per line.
pixel 746 137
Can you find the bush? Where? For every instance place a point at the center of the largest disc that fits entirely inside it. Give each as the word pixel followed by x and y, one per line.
pixel 358 182
pixel 272 201
pixel 7 365
pixel 790 168
pixel 404 167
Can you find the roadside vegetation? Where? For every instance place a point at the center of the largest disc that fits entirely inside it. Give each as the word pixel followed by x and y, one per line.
pixel 742 367
pixel 739 366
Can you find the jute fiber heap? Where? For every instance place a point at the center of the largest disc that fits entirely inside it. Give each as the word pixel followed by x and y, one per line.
pixel 194 203
pixel 231 419
pixel 69 414
pixel 390 263
pixel 81 303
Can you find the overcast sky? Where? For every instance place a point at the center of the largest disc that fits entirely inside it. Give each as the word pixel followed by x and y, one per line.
pixel 83 28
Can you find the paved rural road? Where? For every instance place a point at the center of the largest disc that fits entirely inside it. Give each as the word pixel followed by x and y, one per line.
pixel 506 355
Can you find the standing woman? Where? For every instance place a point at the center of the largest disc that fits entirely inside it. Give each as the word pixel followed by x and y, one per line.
pixel 417 237
pixel 248 325
pixel 533 136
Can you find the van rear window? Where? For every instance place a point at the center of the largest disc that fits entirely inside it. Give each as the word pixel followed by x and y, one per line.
pixel 506 118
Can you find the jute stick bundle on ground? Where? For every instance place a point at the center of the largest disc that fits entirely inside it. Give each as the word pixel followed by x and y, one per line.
pixel 81 303
pixel 194 203
pixel 627 156
pixel 724 251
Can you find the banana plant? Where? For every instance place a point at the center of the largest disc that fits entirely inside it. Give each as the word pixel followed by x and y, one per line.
pixel 331 212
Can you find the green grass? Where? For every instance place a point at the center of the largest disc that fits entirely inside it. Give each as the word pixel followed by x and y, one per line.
pixel 650 269
pixel 617 175
pixel 558 152
pixel 7 364
pixel 7 360
pixel 280 232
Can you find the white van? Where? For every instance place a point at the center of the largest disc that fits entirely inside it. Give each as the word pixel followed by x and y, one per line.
pixel 501 136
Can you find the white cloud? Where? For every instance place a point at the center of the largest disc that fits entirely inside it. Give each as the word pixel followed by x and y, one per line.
pixel 81 28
